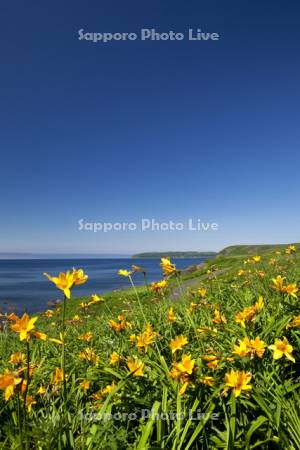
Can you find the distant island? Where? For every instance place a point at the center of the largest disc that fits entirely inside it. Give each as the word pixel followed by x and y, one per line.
pixel 174 254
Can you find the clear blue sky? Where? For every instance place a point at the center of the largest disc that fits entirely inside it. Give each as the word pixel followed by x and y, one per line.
pixel 170 130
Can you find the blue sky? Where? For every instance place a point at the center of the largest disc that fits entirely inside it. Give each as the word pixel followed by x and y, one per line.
pixel 129 130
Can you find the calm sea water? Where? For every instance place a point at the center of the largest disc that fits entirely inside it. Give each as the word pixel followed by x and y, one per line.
pixel 23 286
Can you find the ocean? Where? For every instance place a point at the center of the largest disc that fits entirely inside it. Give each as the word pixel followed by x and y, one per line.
pixel 23 287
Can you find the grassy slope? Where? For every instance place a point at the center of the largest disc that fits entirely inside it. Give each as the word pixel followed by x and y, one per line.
pixel 273 427
pixel 238 250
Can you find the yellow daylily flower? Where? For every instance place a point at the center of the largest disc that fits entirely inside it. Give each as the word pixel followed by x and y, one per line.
pixel 171 315
pixel 57 376
pixel 146 338
pixel 85 385
pixel 186 365
pixel 290 249
pixel 17 358
pixel 135 366
pixel 202 292
pixel 295 323
pixel 282 348
pixel 158 286
pixel 178 343
pixel 87 337
pixel 259 305
pixel 291 289
pixel 115 358
pixel 79 277
pixel 256 258
pixel 124 273
pixel 64 282
pixel 218 317
pixel 238 381
pixel 167 267
pixel 89 354
pixel 24 326
pixel 30 402
pixel 278 283
pixel 209 381
pixel 8 382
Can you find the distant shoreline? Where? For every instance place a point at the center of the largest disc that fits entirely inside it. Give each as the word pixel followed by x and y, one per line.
pixel 177 255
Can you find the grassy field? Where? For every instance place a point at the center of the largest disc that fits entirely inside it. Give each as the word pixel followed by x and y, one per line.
pixel 214 367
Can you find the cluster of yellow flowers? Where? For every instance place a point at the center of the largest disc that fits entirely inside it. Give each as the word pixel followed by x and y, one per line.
pixel 290 289
pixel 248 313
pixel 121 324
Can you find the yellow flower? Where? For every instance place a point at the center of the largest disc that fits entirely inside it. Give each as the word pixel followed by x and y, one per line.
pixel 291 289
pixel 41 390
pixel 193 307
pixel 211 360
pixel 79 277
pixel 256 259
pixel 207 330
pixel 282 348
pixel 24 326
pixel 84 305
pixel 158 286
pixel 186 365
pixel 145 339
pixel 290 249
pixel 132 338
pixel 241 349
pixel 95 299
pixel 87 337
pixel 247 314
pixel 295 323
pixel 40 335
pixel 124 273
pixel 209 381
pixel 250 347
pixel 114 358
pixel 202 292
pixel 49 313
pixel 30 402
pixel 238 381
pixel 8 382
pixel 64 282
pixel 259 305
pixel 171 315
pixel 17 358
pixel 178 343
pixel 120 325
pixel 85 385
pixel 218 317
pixel 241 272
pixel 278 283
pixel 57 376
pixel 257 346
pixel 167 267
pixel 135 366
pixel 88 354
pixel 76 318
pixel 108 389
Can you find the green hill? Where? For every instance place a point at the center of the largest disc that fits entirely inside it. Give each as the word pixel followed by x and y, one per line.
pixel 238 250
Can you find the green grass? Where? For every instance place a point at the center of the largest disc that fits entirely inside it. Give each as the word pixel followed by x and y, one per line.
pixel 204 417
pixel 245 250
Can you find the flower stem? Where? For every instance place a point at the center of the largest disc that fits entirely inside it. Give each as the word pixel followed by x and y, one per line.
pixel 138 298
pixel 63 363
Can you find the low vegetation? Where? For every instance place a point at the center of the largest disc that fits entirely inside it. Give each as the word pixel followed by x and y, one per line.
pixel 217 368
